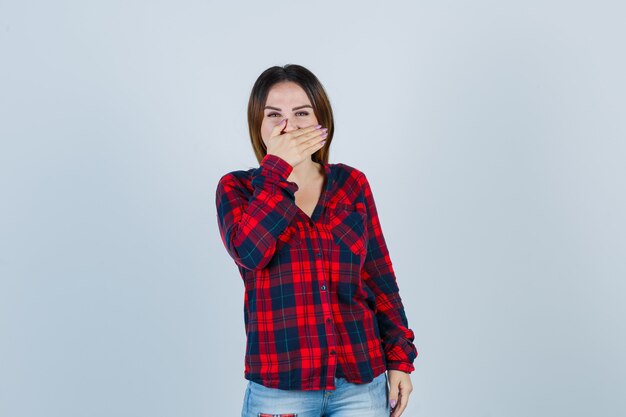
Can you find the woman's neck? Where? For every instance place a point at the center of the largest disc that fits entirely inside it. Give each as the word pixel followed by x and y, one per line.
pixel 305 172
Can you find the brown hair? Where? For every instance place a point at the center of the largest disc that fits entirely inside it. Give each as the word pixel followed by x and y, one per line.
pixel 314 90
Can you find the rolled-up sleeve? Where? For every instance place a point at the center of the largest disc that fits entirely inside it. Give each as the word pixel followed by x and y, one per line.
pixel 378 274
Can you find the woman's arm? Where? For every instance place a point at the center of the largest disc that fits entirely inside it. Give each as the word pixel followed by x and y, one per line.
pixel 378 274
pixel 250 224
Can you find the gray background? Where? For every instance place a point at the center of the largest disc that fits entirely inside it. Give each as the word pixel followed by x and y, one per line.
pixel 493 136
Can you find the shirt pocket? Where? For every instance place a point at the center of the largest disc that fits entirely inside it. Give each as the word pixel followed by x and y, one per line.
pixel 290 237
pixel 348 227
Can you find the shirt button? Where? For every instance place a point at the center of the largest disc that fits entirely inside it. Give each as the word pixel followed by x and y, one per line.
pixel 332 352
pixel 319 254
pixel 323 287
pixel 328 320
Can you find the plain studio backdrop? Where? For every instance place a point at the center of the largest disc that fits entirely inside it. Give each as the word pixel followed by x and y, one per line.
pixel 493 134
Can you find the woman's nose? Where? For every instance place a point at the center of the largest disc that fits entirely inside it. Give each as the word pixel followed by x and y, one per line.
pixel 290 126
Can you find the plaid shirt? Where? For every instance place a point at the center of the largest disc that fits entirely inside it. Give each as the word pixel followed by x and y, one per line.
pixel 321 298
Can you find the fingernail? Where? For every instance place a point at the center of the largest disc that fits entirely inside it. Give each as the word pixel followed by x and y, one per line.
pixel 318 126
pixel 393 403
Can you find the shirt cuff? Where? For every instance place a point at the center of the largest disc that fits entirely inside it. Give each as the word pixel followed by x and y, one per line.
pixel 277 164
pixel 400 366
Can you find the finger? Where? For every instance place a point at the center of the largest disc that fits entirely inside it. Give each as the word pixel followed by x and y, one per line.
pixel 314 147
pixel 310 136
pixel 403 399
pixel 312 139
pixel 401 406
pixel 393 394
pixel 305 133
pixel 278 128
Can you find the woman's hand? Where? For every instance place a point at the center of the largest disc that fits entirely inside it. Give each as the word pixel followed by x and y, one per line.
pixel 400 388
pixel 296 145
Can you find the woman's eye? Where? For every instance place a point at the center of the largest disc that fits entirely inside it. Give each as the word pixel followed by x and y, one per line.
pixel 278 114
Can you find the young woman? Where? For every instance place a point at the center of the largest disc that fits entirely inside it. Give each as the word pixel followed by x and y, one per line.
pixel 325 325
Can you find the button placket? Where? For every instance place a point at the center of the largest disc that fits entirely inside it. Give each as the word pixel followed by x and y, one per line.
pixel 326 307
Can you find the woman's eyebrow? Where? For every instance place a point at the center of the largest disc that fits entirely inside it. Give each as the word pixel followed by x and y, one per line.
pixel 294 109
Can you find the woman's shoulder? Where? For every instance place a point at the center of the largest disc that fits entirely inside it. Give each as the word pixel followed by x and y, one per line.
pixel 239 178
pixel 238 174
pixel 346 170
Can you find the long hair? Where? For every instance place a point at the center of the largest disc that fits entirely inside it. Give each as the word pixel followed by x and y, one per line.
pixel 314 90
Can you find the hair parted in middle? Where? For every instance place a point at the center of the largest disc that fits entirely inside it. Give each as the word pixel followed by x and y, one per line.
pixel 313 89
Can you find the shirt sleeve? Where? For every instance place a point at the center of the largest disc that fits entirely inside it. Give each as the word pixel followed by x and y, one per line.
pixel 378 274
pixel 250 223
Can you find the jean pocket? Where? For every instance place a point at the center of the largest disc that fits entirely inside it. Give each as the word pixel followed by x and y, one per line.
pixel 379 392
pixel 272 402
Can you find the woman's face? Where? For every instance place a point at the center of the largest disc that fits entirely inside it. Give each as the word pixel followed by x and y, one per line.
pixel 286 99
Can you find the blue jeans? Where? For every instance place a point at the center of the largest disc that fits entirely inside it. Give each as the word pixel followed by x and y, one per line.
pixel 347 400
